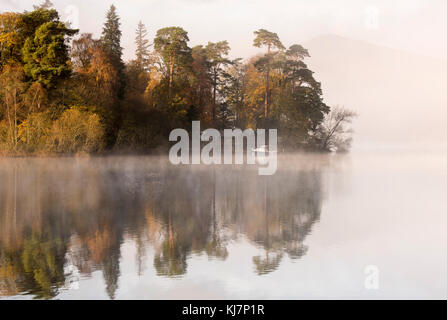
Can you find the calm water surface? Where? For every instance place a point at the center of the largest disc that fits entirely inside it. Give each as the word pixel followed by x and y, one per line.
pixel 139 228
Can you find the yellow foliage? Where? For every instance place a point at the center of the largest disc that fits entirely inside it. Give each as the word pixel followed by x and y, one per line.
pixel 34 131
pixel 9 35
pixel 76 131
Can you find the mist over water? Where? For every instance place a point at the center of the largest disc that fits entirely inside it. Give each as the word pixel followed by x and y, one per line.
pixel 139 227
pixel 396 108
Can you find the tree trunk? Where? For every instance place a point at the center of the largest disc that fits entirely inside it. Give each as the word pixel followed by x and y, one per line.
pixel 171 75
pixel 214 97
pixel 15 121
pixel 267 86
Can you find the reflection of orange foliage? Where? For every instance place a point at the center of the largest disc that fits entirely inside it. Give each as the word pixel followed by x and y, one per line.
pixel 153 226
pixel 99 244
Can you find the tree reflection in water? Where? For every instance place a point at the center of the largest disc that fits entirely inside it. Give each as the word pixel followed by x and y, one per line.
pixel 79 212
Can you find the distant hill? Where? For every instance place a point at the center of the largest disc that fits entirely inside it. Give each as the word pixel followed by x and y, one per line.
pixel 401 97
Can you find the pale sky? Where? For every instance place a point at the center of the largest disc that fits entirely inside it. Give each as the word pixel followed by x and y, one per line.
pixel 412 25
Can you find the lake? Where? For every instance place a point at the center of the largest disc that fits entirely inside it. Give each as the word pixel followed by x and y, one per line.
pixel 363 225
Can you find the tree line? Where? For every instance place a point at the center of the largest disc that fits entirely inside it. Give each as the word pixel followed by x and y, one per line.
pixel 63 92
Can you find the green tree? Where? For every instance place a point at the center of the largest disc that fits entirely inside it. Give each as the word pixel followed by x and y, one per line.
pixel 111 44
pixel 172 45
pixel 45 51
pixel 111 34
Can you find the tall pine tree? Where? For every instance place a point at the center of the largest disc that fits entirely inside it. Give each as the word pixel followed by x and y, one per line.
pixel 111 34
pixel 142 51
pixel 111 43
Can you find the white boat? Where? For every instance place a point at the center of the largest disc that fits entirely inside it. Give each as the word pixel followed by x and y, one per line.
pixel 263 149
pixel 262 154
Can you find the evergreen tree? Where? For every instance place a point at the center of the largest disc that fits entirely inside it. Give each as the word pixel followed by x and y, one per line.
pixel 45 51
pixel 111 44
pixel 111 35
pixel 271 41
pixel 172 45
pixel 142 51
